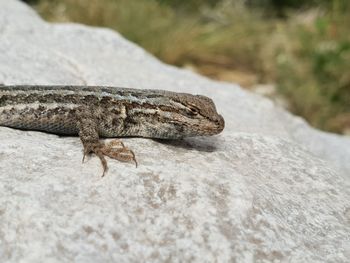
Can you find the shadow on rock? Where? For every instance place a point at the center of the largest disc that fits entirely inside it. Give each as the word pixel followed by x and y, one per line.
pixel 203 144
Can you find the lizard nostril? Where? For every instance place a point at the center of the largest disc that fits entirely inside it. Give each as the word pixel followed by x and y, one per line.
pixel 220 123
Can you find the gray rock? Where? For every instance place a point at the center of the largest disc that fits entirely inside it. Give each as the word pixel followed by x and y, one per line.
pixel 269 188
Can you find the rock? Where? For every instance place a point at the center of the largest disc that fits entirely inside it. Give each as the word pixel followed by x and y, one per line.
pixel 269 188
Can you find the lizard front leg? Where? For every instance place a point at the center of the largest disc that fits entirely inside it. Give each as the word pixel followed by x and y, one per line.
pixel 87 125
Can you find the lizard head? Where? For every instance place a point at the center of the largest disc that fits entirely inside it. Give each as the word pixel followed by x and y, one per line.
pixel 177 115
pixel 198 116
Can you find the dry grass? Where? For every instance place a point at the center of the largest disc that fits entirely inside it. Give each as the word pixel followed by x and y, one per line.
pixel 307 55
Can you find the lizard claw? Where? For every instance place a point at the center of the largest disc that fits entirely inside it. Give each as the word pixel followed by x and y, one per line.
pixel 115 150
pixel 85 153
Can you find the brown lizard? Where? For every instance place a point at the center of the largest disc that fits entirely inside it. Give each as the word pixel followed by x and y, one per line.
pixel 94 111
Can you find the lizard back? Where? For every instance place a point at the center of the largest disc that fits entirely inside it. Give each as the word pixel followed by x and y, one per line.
pixel 118 111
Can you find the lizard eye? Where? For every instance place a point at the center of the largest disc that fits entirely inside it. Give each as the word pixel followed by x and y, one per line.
pixel 194 111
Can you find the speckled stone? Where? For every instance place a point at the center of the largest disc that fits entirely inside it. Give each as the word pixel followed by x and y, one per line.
pixel 268 189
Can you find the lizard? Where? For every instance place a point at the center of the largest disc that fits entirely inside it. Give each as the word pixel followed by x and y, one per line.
pixel 92 112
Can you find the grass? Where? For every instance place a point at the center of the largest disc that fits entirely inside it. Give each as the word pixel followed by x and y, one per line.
pixel 315 73
pixel 306 55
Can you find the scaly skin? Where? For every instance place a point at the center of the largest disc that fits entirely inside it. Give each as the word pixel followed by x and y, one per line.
pixel 91 112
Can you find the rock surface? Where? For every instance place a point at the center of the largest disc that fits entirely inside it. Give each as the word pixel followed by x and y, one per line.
pixel 269 188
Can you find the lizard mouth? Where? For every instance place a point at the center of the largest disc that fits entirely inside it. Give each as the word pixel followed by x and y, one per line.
pixel 219 124
pixel 214 126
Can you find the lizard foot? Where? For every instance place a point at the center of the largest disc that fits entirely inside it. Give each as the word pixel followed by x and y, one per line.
pixel 115 150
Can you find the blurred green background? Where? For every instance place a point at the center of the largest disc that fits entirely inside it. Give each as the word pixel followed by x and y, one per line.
pixel 297 52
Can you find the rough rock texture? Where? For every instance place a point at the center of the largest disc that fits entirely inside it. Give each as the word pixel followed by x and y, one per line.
pixel 269 188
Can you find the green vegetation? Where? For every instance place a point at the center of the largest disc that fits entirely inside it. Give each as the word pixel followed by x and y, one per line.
pixel 301 46
pixel 315 73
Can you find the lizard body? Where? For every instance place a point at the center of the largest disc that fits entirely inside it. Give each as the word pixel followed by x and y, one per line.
pixel 94 111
